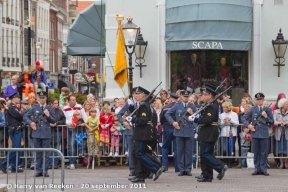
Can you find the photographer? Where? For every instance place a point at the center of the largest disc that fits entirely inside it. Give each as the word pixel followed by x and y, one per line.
pixel 14 122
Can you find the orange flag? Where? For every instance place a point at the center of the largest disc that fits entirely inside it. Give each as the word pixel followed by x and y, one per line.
pixel 120 68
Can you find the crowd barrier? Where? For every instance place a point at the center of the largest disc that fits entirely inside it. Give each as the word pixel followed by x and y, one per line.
pixel 23 181
pixel 77 143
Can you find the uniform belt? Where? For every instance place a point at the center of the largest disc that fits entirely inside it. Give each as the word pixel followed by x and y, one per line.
pixel 213 123
pixel 17 127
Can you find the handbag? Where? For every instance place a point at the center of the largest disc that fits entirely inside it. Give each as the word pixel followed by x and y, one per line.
pixel 250 160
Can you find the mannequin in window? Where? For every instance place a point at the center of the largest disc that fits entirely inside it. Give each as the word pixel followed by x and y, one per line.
pixel 224 72
pixel 193 73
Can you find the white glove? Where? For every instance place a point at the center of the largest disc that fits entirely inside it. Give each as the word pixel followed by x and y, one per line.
pixel 129 119
pixel 191 118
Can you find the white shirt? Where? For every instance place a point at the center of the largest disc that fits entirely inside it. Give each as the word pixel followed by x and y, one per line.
pixel 68 112
pixel 117 110
pixel 234 120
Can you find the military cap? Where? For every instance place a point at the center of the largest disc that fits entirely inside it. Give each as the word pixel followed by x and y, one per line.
pixel 211 91
pixel 173 95
pixel 133 89
pixel 24 101
pixel 185 93
pixel 14 95
pixel 210 86
pixel 259 96
pixel 140 89
pixel 41 94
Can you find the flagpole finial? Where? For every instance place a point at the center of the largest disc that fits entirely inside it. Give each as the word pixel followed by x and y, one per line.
pixel 119 17
pixel 129 19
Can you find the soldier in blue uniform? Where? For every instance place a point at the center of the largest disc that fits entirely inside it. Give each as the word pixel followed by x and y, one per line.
pixel 14 122
pixel 184 132
pixel 168 136
pixel 42 115
pixel 261 118
pixel 129 107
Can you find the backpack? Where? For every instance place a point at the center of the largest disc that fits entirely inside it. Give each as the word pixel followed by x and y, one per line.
pixel 20 80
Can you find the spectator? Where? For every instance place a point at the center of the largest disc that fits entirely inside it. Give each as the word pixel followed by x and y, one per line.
pixel 71 133
pixel 281 132
pixel 10 89
pixel 65 92
pixel 39 77
pixel 244 103
pixel 245 145
pixel 115 137
pixel 106 103
pixel 106 121
pixel 87 107
pixel 157 105
pixel 228 118
pixel 164 96
pixel 115 101
pixel 274 106
pixel 92 125
pixel 56 132
pixel 121 103
pixel 2 125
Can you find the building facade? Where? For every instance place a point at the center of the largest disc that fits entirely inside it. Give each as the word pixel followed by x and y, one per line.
pixel 219 40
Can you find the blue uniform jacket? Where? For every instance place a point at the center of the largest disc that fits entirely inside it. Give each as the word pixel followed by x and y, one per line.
pixel 261 130
pixel 186 128
pixel 121 113
pixel 43 130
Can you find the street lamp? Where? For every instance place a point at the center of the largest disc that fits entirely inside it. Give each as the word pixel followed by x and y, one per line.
pixel 131 32
pixel 73 66
pixel 279 46
pixel 38 44
pixel 45 59
pixel 140 50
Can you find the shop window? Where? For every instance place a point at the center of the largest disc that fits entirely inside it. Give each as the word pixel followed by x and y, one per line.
pixel 192 69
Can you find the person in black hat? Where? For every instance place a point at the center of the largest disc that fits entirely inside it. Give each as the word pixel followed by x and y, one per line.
pixel 129 107
pixel 184 132
pixel 43 115
pixel 262 119
pixel 144 138
pixel 207 136
pixel 14 121
pixel 168 136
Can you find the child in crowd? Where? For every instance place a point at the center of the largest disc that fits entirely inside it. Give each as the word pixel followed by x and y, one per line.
pixel 28 87
pixel 115 137
pixel 77 123
pixel 92 125
pixel 31 100
pixel 266 104
pixel 106 121
pixel 65 92
pixel 245 145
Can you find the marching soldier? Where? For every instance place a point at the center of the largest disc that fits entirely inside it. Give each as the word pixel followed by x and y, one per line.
pixel 42 115
pixel 144 139
pixel 207 136
pixel 261 118
pixel 184 132
pixel 14 122
pixel 168 136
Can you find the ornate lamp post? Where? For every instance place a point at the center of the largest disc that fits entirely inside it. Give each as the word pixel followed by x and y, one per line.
pixel 140 50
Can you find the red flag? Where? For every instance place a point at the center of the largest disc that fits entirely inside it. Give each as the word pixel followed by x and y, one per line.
pixel 74 121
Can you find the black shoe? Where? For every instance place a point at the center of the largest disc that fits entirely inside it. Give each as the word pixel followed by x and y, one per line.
pixel 181 174
pixel 132 178
pixel 20 170
pixel 204 180
pixel 38 175
pixel 132 174
pixel 199 176
pixel 32 168
pixel 3 169
pixel 188 173
pixel 157 174
pixel 177 171
pixel 46 175
pixel 265 173
pixel 165 169
pixel 50 167
pixel 222 173
pixel 138 180
pixel 150 176
pixel 256 173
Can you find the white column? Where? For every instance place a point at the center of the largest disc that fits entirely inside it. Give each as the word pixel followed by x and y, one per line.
pixel 255 69
pixel 162 65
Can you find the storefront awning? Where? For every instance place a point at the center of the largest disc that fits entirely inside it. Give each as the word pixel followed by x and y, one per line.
pixel 62 83
pixel 208 24
pixel 87 33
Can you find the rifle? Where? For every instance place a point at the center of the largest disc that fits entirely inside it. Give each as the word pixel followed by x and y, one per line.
pixel 221 84
pixel 205 105
pixel 151 101
pixel 146 99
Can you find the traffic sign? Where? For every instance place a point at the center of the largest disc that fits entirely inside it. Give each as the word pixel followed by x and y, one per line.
pixel 78 76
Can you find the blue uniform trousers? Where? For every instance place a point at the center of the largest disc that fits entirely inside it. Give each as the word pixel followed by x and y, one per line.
pixel 184 153
pixel 42 161
pixel 145 162
pixel 167 141
pixel 16 143
pixel 130 151
pixel 260 150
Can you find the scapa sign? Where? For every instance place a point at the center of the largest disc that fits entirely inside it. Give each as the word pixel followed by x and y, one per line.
pixel 206 45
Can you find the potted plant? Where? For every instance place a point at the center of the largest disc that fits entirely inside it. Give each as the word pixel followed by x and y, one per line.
pixel 8 19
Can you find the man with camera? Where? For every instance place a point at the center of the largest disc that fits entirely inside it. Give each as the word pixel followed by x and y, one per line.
pixel 14 122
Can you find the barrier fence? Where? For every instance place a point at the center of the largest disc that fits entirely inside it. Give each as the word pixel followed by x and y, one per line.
pixel 23 183
pixel 77 143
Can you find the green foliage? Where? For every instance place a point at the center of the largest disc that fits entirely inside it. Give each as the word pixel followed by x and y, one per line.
pixel 52 95
pixel 80 98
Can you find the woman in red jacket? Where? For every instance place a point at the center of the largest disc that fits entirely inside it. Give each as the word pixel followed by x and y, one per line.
pixel 106 120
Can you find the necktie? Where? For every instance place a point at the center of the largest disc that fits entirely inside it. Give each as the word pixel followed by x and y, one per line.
pixel 42 107
pixel 185 105
pixel 260 109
